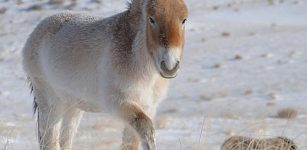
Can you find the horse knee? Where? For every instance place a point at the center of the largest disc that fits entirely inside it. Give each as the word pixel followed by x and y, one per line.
pixel 140 122
pixel 130 139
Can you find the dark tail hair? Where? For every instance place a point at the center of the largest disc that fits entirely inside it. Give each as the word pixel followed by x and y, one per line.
pixel 35 108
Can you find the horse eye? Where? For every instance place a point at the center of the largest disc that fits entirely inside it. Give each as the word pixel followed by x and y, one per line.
pixel 152 21
pixel 184 21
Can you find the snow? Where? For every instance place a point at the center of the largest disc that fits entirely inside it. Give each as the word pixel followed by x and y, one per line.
pixel 244 60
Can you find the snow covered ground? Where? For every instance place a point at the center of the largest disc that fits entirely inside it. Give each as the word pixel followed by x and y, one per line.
pixel 244 61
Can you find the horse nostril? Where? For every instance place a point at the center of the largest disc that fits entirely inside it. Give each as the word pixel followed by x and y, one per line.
pixel 169 71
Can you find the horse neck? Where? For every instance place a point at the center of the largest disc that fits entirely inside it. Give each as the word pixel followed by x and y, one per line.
pixel 143 59
pixel 143 63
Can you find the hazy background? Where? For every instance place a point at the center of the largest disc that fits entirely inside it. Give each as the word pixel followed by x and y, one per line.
pixel 244 73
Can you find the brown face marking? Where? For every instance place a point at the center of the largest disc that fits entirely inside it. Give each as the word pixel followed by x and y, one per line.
pixel 167 30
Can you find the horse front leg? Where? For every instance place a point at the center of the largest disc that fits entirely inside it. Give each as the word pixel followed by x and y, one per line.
pixel 130 139
pixel 140 122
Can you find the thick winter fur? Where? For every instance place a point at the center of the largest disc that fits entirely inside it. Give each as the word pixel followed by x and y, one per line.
pixel 247 143
pixel 117 65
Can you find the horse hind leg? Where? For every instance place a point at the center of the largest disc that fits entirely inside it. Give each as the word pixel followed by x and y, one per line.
pixel 48 129
pixel 70 123
pixel 48 117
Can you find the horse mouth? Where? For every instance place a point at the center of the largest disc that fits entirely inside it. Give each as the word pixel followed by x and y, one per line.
pixel 168 77
pixel 169 73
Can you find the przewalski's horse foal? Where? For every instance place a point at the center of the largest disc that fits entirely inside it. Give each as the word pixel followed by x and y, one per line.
pixel 118 65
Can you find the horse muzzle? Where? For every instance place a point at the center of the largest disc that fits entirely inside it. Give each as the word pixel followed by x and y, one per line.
pixel 167 72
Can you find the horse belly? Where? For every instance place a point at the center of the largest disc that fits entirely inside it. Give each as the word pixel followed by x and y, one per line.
pixel 73 73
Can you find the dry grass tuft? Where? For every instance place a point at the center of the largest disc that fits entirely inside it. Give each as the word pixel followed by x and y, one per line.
pixel 205 97
pixel 287 113
pixel 97 1
pixel 72 6
pixel 203 39
pixel 248 143
pixel 213 96
pixel 56 1
pixel 238 57
pixel 35 7
pixel 217 65
pixel 230 115
pixel 19 2
pixel 171 110
pixel 271 103
pixel 271 2
pixel 236 9
pixel 225 34
pixel 216 7
pixel 251 33
pixel 248 92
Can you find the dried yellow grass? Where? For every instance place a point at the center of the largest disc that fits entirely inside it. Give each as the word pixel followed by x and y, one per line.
pixel 248 143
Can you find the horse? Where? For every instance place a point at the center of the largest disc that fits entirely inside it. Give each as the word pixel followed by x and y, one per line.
pixel 119 65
